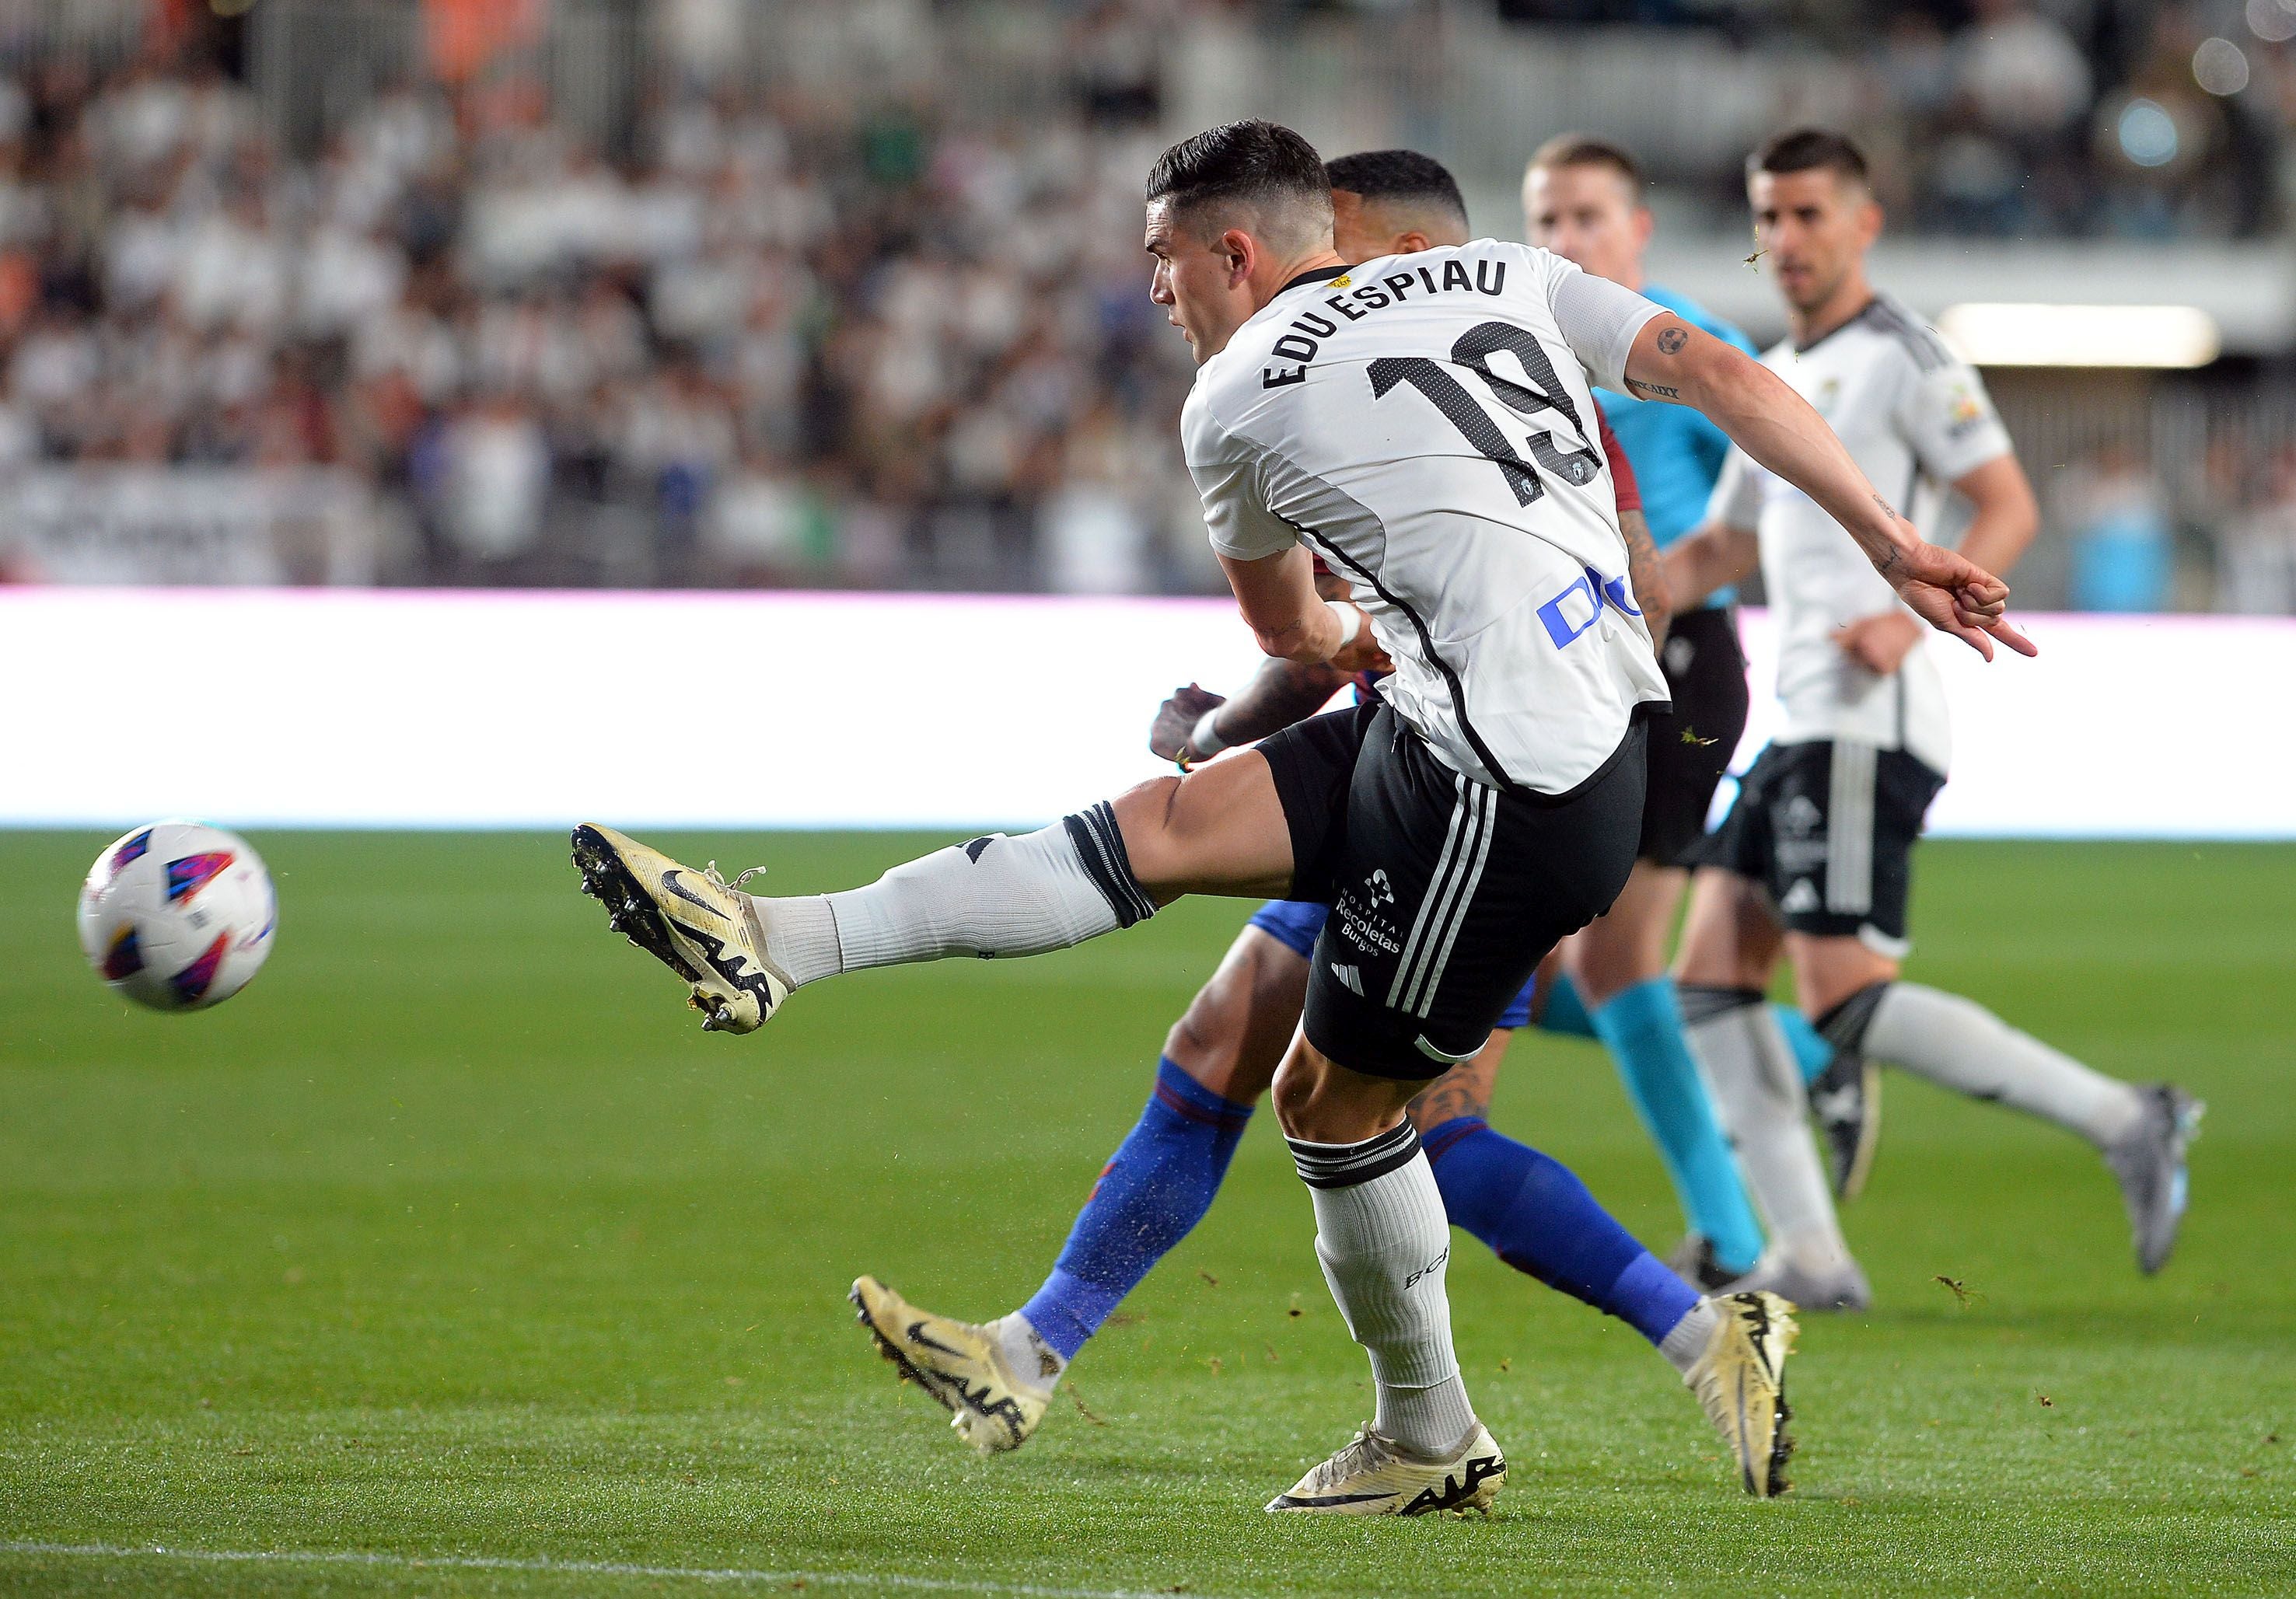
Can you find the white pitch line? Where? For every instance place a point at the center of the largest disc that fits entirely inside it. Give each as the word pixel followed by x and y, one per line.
pixel 577 1567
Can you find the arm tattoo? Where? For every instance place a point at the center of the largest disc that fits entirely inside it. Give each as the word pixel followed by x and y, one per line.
pixel 1670 341
pixel 1643 572
pixel 1659 390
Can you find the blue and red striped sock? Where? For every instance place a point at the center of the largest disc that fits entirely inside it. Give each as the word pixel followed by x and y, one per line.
pixel 1155 1188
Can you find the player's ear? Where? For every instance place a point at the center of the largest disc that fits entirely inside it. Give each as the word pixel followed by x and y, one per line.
pixel 1237 250
pixel 1870 218
pixel 1643 223
pixel 1411 243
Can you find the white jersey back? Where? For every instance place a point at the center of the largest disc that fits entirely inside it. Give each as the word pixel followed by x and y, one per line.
pixel 1425 423
pixel 1916 418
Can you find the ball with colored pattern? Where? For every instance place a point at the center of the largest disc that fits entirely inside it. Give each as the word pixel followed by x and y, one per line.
pixel 177 915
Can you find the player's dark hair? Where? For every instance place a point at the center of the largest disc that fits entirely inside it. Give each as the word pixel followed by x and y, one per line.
pixel 1400 175
pixel 1810 150
pixel 1257 164
pixel 1585 149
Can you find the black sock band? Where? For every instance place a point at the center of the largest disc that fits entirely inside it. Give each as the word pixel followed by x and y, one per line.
pixel 1702 1001
pixel 1101 846
pixel 1844 1026
pixel 1345 1165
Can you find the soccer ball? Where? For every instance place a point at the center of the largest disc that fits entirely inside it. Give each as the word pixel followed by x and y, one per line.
pixel 177 915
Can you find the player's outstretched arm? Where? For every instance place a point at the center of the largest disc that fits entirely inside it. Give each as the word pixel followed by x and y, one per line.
pixel 1195 724
pixel 1670 360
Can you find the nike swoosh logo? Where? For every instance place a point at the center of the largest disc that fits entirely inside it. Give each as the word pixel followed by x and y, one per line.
pixel 669 882
pixel 1294 1502
pixel 917 1336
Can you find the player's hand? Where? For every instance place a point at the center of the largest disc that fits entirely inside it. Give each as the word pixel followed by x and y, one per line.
pixel 1957 597
pixel 1880 643
pixel 1177 717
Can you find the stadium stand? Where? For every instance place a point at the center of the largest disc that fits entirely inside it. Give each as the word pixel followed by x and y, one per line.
pixel 717 291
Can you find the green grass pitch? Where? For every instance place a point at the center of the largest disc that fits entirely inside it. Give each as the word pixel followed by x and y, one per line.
pixel 451 1258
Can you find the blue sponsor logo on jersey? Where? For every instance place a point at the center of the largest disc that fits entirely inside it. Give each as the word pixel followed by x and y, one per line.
pixel 1579 606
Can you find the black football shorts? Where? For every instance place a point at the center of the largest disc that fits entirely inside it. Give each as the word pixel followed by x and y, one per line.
pixel 1444 892
pixel 1691 745
pixel 1828 827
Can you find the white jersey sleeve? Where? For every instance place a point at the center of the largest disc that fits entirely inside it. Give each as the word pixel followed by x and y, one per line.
pixel 1599 320
pixel 1736 501
pixel 1226 476
pixel 1948 419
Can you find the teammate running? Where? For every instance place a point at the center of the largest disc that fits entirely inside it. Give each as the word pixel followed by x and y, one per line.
pixel 1218 1059
pixel 1815 858
pixel 1582 198
pixel 1487 807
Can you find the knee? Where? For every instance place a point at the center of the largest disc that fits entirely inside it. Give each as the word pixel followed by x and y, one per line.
pixel 1234 1032
pixel 1606 962
pixel 1207 1041
pixel 1145 815
pixel 1320 1103
pixel 1293 1093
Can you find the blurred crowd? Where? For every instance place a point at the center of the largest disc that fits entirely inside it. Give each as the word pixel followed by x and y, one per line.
pixel 798 334
pixel 787 341
pixel 2148 119
pixel 2139 539
pixel 2089 117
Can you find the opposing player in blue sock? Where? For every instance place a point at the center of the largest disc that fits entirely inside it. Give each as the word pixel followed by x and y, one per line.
pixel 1155 1188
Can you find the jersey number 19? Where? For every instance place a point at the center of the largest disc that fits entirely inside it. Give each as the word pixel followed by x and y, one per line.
pixel 1473 350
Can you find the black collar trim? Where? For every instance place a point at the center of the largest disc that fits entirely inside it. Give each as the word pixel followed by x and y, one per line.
pixel 1319 275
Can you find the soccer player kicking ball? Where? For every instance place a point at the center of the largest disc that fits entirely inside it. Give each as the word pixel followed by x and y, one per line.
pixel 1815 858
pixel 1424 422
pixel 998 1377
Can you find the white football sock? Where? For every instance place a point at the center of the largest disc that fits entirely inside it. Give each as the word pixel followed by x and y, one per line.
pixel 1960 1044
pixel 994 896
pixel 1385 1243
pixel 1034 1364
pixel 1686 1341
pixel 1757 1093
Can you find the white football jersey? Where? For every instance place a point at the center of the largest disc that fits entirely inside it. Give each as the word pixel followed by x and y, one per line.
pixel 1915 417
pixel 1424 422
